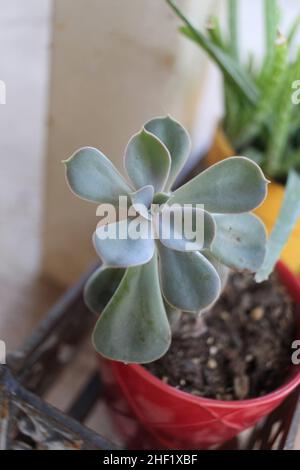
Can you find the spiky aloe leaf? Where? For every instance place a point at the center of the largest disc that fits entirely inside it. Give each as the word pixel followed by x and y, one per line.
pixel 288 217
pixel 278 139
pixel 272 17
pixel 191 273
pixel 293 30
pixel 272 87
pixel 218 186
pixel 134 327
pixel 233 28
pixel 177 141
pixel 214 32
pixel 147 161
pixel 240 241
pixel 93 177
pixel 233 71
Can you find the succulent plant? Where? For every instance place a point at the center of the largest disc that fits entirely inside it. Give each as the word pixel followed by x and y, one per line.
pixel 261 119
pixel 144 283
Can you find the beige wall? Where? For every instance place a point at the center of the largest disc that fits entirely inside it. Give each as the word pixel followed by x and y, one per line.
pixel 115 64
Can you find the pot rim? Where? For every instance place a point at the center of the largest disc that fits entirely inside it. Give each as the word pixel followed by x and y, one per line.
pixel 281 392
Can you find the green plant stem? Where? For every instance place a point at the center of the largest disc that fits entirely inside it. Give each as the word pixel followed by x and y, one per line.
pixel 233 28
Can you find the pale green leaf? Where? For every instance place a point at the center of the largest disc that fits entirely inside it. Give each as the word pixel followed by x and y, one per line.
pixel 177 141
pixel 240 241
pixel 93 177
pixel 234 185
pixel 222 270
pixel 185 228
pixel 126 243
pixel 142 200
pixel 189 281
pixel 134 327
pixel 147 161
pixel 101 286
pixel 286 221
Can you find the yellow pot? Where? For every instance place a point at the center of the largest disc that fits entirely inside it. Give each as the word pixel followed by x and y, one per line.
pixel 269 210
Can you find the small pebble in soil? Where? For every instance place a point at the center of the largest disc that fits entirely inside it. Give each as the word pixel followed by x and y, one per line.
pixel 213 350
pixel 212 364
pixel 257 313
pixel 238 350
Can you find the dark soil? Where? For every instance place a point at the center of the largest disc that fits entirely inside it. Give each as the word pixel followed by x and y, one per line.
pixel 240 349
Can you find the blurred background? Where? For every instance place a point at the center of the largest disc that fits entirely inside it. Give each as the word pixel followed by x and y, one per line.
pixel 87 72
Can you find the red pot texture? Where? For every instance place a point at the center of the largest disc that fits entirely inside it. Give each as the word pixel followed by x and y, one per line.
pixel 178 420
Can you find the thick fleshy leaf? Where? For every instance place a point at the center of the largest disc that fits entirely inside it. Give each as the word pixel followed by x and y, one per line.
pixel 147 161
pixel 101 286
pixel 233 186
pixel 288 216
pixel 134 327
pixel 189 281
pixel 240 241
pixel 173 315
pixel 93 177
pixel 177 141
pixel 126 243
pixel 185 228
pixel 221 269
pixel 142 200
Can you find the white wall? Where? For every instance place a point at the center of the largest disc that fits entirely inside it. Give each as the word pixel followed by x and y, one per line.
pixel 115 64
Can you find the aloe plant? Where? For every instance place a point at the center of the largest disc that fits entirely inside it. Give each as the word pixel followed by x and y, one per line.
pixel 144 283
pixel 260 119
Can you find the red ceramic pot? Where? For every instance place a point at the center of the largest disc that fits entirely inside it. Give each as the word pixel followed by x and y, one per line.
pixel 178 420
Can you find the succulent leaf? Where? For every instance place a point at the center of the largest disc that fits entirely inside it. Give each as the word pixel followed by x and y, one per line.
pixel 177 141
pixel 101 286
pixel 137 304
pixel 147 161
pixel 240 241
pixel 173 315
pixel 94 178
pixel 288 216
pixel 142 200
pixel 134 327
pixel 122 250
pixel 222 270
pixel 218 186
pixel 143 196
pixel 189 282
pixel 174 233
